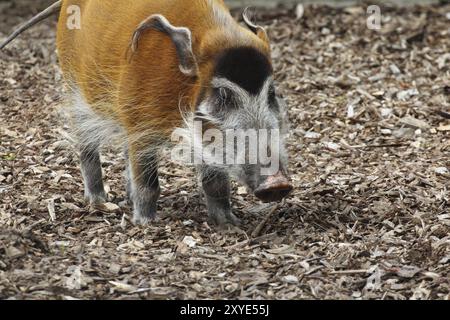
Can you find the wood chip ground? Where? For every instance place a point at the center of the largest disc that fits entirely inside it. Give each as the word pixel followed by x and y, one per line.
pixel 370 160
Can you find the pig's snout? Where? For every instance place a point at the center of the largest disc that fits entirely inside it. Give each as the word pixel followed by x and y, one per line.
pixel 274 188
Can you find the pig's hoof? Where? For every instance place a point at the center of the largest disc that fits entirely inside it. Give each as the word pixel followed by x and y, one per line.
pixel 143 220
pixel 223 219
pixel 95 199
pixel 144 212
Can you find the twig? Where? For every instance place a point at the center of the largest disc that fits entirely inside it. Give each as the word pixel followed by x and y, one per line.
pixel 141 290
pixel 387 145
pixel 322 180
pixel 211 256
pixel 349 271
pixel 170 174
pixel 51 209
pixel 32 226
pixel 238 245
pixel 261 225
pixel 443 114
pixel 263 238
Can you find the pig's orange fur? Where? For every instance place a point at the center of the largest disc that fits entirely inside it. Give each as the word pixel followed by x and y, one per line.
pixel 147 90
pixel 144 94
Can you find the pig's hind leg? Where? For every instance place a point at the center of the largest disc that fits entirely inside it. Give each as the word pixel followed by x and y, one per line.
pixel 91 169
pixel 89 129
pixel 217 188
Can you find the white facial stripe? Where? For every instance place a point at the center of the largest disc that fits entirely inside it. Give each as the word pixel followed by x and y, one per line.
pixel 263 95
pixel 261 98
pixel 225 83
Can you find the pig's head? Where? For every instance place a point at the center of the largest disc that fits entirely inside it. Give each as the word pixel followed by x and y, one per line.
pixel 245 116
pixel 242 118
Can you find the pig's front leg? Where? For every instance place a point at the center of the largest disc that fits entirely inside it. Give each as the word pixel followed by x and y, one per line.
pixel 144 186
pixel 217 188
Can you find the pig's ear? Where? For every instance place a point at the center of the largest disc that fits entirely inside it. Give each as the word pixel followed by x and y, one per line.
pixel 181 38
pixel 258 30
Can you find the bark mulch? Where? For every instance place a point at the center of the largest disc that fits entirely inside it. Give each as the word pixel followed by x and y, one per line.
pixel 369 147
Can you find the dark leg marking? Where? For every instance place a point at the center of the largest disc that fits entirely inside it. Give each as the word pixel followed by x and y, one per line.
pixel 127 172
pixel 144 187
pixel 216 186
pixel 91 169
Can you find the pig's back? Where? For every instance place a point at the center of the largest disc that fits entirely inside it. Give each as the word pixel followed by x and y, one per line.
pixel 94 58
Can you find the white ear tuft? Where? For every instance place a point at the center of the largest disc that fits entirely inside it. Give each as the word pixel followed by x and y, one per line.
pixel 258 30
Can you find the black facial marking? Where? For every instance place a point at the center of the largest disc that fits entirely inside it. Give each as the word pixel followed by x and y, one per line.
pixel 272 95
pixel 245 66
pixel 272 98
